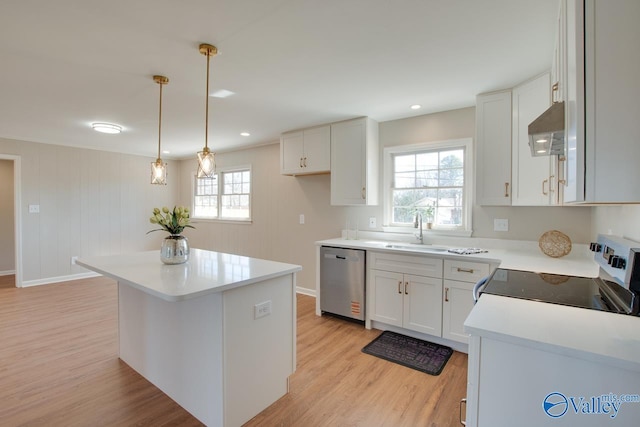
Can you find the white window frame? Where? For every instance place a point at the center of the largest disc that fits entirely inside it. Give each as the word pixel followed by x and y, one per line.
pixel 219 172
pixel 389 152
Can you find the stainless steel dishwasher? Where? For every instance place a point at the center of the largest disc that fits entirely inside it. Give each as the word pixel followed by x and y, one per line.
pixel 342 277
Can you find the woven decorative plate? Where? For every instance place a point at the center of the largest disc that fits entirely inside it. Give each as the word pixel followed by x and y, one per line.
pixel 555 244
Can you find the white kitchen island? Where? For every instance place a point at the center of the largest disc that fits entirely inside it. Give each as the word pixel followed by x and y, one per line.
pixel 216 334
pixel 536 364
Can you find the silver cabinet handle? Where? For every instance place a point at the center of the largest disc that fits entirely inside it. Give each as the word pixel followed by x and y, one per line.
pixel 465 270
pixel 544 193
pixel 364 193
pixel 464 400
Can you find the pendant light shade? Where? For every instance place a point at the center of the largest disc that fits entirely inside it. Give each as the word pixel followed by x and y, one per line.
pixel 206 159
pixel 159 168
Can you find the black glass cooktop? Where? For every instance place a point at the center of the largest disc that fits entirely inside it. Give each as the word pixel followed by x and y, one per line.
pixel 584 292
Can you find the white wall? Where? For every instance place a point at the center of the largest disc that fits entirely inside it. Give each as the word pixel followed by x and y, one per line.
pixel 94 203
pixel 617 220
pixel 7 230
pixel 275 232
pixel 91 203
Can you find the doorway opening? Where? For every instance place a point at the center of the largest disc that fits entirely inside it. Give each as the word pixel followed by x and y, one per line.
pixel 10 222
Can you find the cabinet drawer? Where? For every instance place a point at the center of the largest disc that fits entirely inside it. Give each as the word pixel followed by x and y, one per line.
pixel 465 271
pixel 406 264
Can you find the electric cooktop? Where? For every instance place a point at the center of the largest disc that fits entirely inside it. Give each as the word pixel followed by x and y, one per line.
pixel 616 290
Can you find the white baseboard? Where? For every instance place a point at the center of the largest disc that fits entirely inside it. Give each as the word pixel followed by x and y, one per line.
pixel 7 272
pixel 49 280
pixel 305 291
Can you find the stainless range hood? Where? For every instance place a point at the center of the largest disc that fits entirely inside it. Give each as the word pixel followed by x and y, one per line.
pixel 546 133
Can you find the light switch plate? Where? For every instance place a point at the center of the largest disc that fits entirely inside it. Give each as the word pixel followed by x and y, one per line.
pixel 34 208
pixel 500 224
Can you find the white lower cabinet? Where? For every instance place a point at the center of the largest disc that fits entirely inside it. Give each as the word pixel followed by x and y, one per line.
pixel 459 279
pixel 458 302
pixel 408 291
pixel 408 301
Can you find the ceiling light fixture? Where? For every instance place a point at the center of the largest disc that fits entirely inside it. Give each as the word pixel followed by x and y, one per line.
pixel 206 159
pixel 245 134
pixel 416 106
pixel 159 168
pixel 106 127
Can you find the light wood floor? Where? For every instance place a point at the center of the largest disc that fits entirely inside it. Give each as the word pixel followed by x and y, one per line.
pixel 8 281
pixel 59 367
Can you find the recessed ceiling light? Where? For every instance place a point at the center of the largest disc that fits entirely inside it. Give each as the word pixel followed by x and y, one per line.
pixel 222 93
pixel 541 151
pixel 245 134
pixel 106 127
pixel 416 106
pixel 541 141
pixel 166 152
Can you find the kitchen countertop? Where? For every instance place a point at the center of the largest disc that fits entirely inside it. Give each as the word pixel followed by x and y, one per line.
pixel 204 273
pixel 514 255
pixel 599 336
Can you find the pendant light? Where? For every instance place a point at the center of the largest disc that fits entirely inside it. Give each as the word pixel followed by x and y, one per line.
pixel 159 168
pixel 206 159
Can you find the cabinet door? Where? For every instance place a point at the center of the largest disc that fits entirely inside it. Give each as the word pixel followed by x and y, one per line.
pixel 354 163
pixel 612 110
pixel 458 302
pixel 423 304
pixel 387 290
pixel 493 149
pixel 291 152
pixel 317 148
pixel 531 175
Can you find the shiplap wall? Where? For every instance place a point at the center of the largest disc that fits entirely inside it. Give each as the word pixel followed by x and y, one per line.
pixel 95 203
pixel 91 203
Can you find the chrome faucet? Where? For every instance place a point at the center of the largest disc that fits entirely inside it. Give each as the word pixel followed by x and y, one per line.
pixel 418 224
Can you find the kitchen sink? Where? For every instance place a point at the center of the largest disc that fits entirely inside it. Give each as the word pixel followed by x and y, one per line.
pixel 416 247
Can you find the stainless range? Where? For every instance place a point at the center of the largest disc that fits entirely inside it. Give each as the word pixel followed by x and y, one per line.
pixel 617 289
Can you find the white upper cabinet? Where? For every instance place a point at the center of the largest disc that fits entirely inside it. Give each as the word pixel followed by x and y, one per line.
pixel 306 152
pixel 602 56
pixel 533 182
pixel 506 173
pixel 493 149
pixel 354 162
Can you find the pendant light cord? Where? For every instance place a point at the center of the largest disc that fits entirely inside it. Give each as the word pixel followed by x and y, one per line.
pixel 206 119
pixel 160 121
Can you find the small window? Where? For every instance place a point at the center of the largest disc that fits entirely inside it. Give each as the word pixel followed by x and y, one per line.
pixel 225 196
pixel 430 179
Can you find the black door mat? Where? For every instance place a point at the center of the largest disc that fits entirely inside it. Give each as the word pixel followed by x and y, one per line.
pixel 411 352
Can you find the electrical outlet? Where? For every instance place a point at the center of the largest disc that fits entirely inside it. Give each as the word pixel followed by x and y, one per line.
pixel 262 309
pixel 73 260
pixel 372 222
pixel 34 208
pixel 500 224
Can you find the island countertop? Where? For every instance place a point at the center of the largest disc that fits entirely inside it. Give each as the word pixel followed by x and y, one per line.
pixel 205 272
